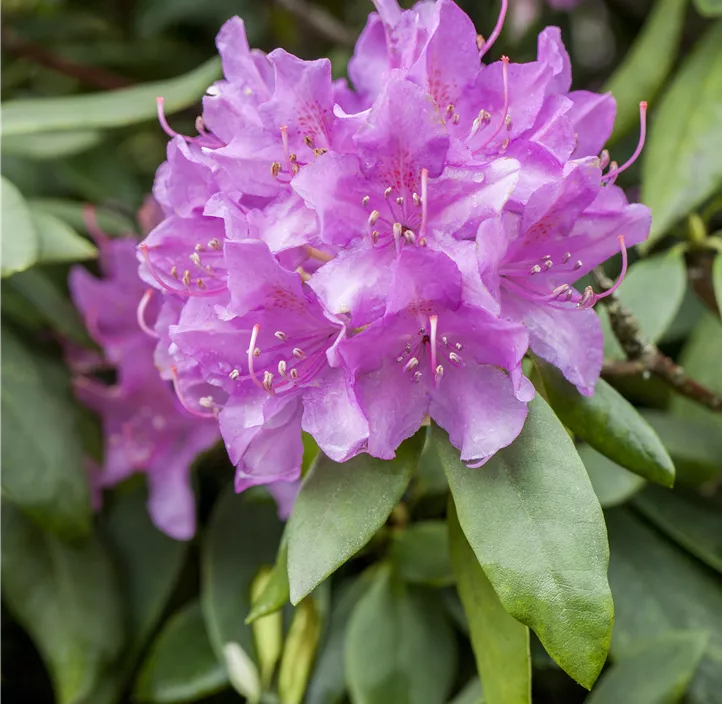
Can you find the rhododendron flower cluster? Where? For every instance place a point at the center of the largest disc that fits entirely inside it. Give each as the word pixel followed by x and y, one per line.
pixel 350 260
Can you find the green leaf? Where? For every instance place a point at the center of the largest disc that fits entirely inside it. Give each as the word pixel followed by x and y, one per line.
pixel 686 133
pixel 501 643
pixel 276 591
pixel 19 240
pixel 612 484
pixel 181 665
pixel 658 588
pixel 39 292
pixel 399 647
pixel 267 632
pixel 420 554
pixel 429 477
pixel 71 212
pixel 328 683
pixel 536 528
pixel 471 694
pixel 299 651
pixel 339 509
pixel 51 145
pixel 654 290
pixel 658 674
pixel 42 456
pixel 694 444
pixel 709 8
pixel 645 67
pixel 58 242
pixel 242 535
pixel 610 424
pixel 66 597
pixel 116 108
pixel 693 521
pixel 717 280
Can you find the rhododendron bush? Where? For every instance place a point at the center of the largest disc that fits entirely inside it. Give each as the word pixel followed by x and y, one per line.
pixel 393 376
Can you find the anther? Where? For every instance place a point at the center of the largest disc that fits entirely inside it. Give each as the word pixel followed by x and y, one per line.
pixel 195 258
pixel 439 372
pixel 268 381
pixel 174 271
pixel 282 367
pixel 454 358
pixel 456 119
pixel 397 230
pixel 400 200
pixel 450 109
pixel 567 256
pixel 215 243
pixel 535 270
pixel 559 290
pixel 407 347
pixel 586 297
pixel 548 264
pixel 319 151
pixel 507 122
pixel 308 141
pixel 275 169
pixel 294 374
pixel 375 214
pixel 416 199
pixel 187 277
pixel 604 159
pixel 234 375
pixel 375 236
pixel 298 353
pixel 280 335
pixel 292 157
pixel 578 264
pixel 387 192
pixel 422 330
pixel 200 283
pixel 199 248
pixel 206 401
pixel 545 257
pixel 411 364
pixel 256 351
pixel 410 236
pixel 417 377
pixel 400 358
pixel 445 341
pixel 422 242
pixel 459 346
pixel 295 168
pixel 365 201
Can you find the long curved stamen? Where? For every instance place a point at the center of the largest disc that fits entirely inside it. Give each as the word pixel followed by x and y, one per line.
pixel 184 292
pixel 598 296
pixel 176 388
pixel 505 111
pixel 140 314
pixel 251 355
pixel 496 31
pixel 90 221
pixel 613 173
pixel 160 108
pixel 318 254
pixel 424 202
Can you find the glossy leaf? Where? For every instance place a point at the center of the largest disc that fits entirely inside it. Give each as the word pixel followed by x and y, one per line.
pixel 328 684
pixel 653 290
pixel 19 240
pixel 66 598
pixel 39 291
pixel 612 484
pixel 399 647
pixel 709 8
pixel 693 521
pixel 536 528
pixel 657 674
pixel 58 242
pixel 116 108
pixel 500 642
pixel 276 590
pixel 181 665
pixel 420 554
pixel 645 67
pixel 658 588
pixel 339 509
pixel 610 424
pixel 299 652
pixel 42 457
pixel 242 536
pixel 51 145
pixel 472 693
pixel 686 133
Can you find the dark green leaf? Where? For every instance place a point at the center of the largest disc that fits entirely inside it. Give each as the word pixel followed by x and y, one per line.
pixel 430 477
pixel 658 588
pixel 686 133
pixel 58 242
pixel 267 632
pixel 107 109
pixel 644 69
pixel 471 694
pixel 532 518
pixel 66 597
pixel 39 291
pixel 420 554
pixel 276 591
pixel 328 683
pixel 51 145
pixel 612 484
pixel 709 8
pixel 500 642
pixel 71 212
pixel 19 240
pixel 653 290
pixel 717 279
pixel 339 509
pixel 42 457
pixel 399 646
pixel 693 521
pixel 243 535
pixel 181 665
pixel 299 651
pixel 695 445
pixel 658 674
pixel 610 424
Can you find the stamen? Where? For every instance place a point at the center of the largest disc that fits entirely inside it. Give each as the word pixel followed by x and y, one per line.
pixel 397 230
pixel 375 214
pixel 424 200
pixel 275 169
pixel 416 199
pixel 234 375
pixel 280 335
pixel 640 145
pixel 268 382
pixel 400 200
pixel 196 258
pixel 534 270
pixel 439 373
pixel 160 108
pixel 387 192
pixel 417 377
pixel 622 274
pixel 176 388
pixel 215 243
pixel 284 140
pixel 604 159
pixel 410 236
pixel 140 314
pixel 411 364
pixel 455 359
pixel 308 141
pixel 187 277
pixel 282 368
pixel 294 374
pixel 505 110
pixel 206 401
pixel 318 254
pixel 578 265
pixel 567 256
pixel 485 46
pixel 298 353
pixel 251 354
pixel 459 346
pixel 365 201
pixel 445 341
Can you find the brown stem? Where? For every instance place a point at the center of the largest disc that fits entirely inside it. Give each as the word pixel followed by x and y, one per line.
pixel 644 357
pixel 88 75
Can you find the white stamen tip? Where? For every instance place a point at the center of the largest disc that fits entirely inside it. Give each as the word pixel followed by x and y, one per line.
pixel 281 335
pixel 374 217
pixel 387 192
pixel 206 401
pixel 234 374
pixel 365 201
pixel 454 358
pixel 535 270
pixel 417 377
pixel 298 353
pixel 578 265
pixel 567 256
pixel 411 364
